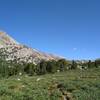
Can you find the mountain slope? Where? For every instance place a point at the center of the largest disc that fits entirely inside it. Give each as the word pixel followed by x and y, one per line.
pixel 12 50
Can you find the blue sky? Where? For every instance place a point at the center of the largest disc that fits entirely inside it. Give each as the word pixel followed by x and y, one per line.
pixel 70 28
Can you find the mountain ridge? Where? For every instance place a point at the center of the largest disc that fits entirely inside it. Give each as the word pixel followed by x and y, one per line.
pixel 13 50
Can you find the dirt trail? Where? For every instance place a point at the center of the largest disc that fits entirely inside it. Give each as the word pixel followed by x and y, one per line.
pixel 65 95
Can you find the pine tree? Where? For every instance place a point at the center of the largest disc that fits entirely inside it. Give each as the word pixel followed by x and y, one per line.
pixel 74 65
pixel 51 66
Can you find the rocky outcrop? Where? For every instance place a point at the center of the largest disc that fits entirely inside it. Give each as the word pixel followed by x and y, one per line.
pixel 12 50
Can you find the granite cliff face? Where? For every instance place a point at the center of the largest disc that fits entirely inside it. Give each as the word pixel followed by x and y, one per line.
pixel 10 49
pixel 5 40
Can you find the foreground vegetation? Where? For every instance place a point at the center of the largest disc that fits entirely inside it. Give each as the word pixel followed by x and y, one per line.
pixel 79 84
pixel 50 80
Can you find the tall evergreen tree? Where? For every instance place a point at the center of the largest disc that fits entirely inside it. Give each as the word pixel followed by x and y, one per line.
pixel 74 65
pixel 51 66
pixel 62 64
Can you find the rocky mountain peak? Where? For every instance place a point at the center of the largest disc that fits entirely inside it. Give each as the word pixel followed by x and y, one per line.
pixel 5 39
pixel 12 50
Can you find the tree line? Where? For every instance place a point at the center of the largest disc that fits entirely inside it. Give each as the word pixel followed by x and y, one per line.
pixel 10 68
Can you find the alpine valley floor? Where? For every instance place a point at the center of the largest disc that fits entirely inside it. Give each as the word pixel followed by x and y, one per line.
pixel 80 84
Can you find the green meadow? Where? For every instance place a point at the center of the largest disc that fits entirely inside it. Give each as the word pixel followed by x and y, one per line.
pixel 81 84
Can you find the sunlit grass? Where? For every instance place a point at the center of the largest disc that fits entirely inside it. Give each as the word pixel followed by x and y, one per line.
pixel 83 85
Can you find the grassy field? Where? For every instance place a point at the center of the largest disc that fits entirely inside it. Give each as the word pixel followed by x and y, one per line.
pixel 79 84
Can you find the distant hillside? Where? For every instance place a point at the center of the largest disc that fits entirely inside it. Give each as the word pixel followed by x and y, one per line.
pixel 12 50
